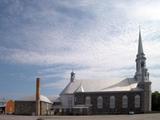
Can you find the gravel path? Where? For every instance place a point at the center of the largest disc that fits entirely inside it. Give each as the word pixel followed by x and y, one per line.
pixel 15 117
pixel 155 116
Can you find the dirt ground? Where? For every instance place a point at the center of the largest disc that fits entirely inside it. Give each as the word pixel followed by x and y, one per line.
pixel 155 116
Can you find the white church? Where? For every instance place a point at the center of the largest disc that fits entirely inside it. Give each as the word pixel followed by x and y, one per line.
pixel 109 97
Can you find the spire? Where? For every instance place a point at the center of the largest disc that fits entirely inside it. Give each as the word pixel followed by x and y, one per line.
pixel 72 76
pixel 140 47
pixel 141 70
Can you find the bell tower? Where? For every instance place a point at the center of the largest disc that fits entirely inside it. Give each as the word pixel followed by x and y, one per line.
pixel 142 77
pixel 72 76
pixel 141 74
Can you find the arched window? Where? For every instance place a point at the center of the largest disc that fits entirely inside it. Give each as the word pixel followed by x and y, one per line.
pixel 137 101
pixel 124 101
pixel 112 102
pixel 100 102
pixel 70 102
pixel 88 100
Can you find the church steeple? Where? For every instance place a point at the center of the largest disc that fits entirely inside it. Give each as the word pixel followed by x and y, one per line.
pixel 140 46
pixel 141 70
pixel 142 76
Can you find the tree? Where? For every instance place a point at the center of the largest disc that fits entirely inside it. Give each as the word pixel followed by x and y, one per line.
pixel 156 101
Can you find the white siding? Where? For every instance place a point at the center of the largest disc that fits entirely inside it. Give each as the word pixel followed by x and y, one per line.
pixel 67 101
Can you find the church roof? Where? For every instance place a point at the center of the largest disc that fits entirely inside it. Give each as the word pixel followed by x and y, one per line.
pixel 128 84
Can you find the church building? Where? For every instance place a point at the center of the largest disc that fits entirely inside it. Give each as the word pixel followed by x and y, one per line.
pixel 109 97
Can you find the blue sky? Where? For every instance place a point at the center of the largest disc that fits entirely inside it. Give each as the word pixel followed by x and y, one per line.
pixel 98 39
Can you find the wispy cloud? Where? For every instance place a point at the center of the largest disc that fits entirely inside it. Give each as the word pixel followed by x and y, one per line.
pixel 97 39
pixel 56 85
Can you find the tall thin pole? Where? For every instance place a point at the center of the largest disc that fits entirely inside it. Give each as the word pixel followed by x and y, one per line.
pixel 38 96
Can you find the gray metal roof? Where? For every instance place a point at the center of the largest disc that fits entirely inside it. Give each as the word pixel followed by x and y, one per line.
pixel 128 84
pixel 33 98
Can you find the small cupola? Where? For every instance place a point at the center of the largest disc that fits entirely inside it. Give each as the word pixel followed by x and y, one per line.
pixel 72 77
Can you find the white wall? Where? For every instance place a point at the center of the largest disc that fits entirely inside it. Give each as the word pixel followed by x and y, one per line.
pixel 67 101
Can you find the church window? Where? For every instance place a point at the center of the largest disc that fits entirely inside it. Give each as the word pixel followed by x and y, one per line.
pixel 124 101
pixel 88 100
pixel 137 101
pixel 112 102
pixel 142 64
pixel 70 102
pixel 47 106
pixel 100 102
pixel 75 99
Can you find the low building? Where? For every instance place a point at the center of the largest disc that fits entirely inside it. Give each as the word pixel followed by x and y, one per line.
pixel 10 107
pixel 27 106
pixel 34 105
pixel 2 106
pixel 57 106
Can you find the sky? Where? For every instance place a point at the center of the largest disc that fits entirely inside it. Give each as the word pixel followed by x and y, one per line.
pixel 98 39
